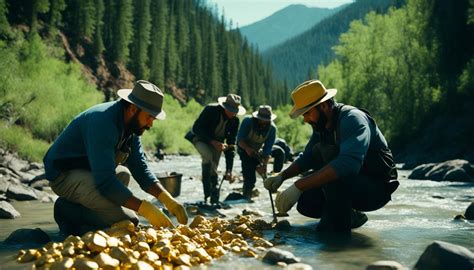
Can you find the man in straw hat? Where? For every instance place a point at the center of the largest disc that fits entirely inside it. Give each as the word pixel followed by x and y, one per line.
pixel 214 132
pixel 84 165
pixel 255 140
pixel 353 166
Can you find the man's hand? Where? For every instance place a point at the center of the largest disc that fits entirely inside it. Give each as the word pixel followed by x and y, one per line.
pixel 173 206
pixel 228 176
pixel 285 200
pixel 154 215
pixel 218 145
pixel 272 183
pixel 262 170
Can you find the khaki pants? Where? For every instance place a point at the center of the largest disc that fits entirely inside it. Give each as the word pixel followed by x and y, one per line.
pixel 78 186
pixel 210 160
pixel 209 154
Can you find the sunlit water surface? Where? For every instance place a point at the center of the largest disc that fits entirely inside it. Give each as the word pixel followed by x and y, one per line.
pixel 419 213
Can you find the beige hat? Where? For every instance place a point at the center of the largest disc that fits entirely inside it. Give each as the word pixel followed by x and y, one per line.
pixel 146 96
pixel 264 113
pixel 308 95
pixel 232 103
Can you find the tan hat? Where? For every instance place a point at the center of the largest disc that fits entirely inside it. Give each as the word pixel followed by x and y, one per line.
pixel 232 103
pixel 146 96
pixel 264 113
pixel 309 94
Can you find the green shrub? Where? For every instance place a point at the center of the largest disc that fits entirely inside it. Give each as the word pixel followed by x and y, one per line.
pixel 20 140
pixel 295 132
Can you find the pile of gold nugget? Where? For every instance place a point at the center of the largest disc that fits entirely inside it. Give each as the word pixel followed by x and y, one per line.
pixel 125 246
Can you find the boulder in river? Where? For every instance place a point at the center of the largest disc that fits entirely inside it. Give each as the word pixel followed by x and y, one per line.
pixel 452 170
pixel 8 211
pixel 276 255
pixel 28 236
pixel 442 255
pixel 470 212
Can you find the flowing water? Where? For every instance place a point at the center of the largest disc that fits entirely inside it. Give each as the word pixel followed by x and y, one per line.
pixel 420 212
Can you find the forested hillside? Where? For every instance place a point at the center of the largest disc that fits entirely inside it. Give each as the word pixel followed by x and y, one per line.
pixel 284 25
pixel 413 68
pixel 180 45
pixel 298 58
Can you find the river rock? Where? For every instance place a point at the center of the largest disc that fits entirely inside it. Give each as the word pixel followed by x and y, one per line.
pixel 470 212
pixel 28 236
pixel 3 184
pixel 276 255
pixel 443 255
pixel 21 192
pixel 385 265
pixel 8 211
pixel 453 170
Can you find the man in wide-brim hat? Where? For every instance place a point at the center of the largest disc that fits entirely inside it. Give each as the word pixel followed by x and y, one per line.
pixel 353 169
pixel 255 139
pixel 214 132
pixel 84 165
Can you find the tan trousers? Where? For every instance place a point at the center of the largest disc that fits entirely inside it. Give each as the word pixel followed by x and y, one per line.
pixel 209 155
pixel 78 186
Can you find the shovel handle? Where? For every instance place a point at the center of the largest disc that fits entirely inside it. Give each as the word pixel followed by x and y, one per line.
pixel 264 176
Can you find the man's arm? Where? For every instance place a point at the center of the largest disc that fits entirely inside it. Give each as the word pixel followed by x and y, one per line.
pixel 326 175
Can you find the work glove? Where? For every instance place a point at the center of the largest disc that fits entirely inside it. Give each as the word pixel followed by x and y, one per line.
pixel 272 183
pixel 285 200
pixel 173 206
pixel 154 215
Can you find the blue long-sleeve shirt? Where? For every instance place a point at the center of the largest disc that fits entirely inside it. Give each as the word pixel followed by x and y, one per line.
pixel 356 133
pixel 245 129
pixel 92 137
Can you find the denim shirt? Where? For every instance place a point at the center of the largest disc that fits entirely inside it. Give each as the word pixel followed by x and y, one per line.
pixel 93 136
pixel 356 133
pixel 247 127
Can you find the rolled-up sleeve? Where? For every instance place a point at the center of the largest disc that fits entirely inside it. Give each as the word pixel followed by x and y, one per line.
pixel 355 139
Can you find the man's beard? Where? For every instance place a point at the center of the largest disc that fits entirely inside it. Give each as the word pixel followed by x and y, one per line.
pixel 135 127
pixel 320 125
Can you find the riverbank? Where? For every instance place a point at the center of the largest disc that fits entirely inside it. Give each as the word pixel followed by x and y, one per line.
pixel 420 212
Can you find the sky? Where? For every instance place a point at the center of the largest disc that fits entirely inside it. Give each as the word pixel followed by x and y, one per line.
pixel 245 12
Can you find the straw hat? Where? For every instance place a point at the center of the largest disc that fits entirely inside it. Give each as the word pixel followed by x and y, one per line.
pixel 308 95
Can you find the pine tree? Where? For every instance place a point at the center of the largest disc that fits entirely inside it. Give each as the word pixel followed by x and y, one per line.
pixel 171 55
pixel 38 6
pixel 158 41
pixel 123 31
pixel 99 25
pixel 4 26
pixel 141 39
pixel 55 17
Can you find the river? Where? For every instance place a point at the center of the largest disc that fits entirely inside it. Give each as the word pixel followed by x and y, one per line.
pixel 420 212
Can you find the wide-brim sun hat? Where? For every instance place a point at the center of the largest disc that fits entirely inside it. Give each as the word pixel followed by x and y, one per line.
pixel 308 95
pixel 264 113
pixel 232 103
pixel 145 96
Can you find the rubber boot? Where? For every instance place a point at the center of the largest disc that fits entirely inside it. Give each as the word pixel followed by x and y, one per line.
pixel 214 190
pixel 206 180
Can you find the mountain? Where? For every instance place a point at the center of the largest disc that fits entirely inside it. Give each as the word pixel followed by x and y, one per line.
pixel 284 24
pixel 296 59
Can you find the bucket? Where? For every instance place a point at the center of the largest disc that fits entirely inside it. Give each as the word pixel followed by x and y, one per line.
pixel 171 182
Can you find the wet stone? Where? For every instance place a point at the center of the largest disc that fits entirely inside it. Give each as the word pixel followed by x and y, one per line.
pixel 385 265
pixel 8 211
pixel 443 255
pixel 28 236
pixel 275 255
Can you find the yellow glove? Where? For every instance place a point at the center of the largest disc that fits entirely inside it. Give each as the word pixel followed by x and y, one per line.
pixel 285 200
pixel 154 215
pixel 174 207
pixel 272 183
